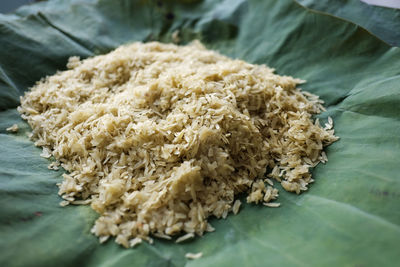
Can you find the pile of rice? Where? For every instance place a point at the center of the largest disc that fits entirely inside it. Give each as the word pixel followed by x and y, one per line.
pixel 158 137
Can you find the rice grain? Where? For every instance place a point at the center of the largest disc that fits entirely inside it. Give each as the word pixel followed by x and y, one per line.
pixel 13 128
pixel 193 256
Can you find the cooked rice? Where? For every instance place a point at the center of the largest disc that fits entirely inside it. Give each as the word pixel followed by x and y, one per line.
pixel 236 206
pixel 272 205
pixel 159 137
pixel 163 236
pixel 135 241
pixel 193 256
pixel 46 153
pixel 210 228
pixel 13 128
pixel 55 165
pixel 184 238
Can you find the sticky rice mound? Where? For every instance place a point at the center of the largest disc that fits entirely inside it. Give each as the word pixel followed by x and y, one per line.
pixel 158 137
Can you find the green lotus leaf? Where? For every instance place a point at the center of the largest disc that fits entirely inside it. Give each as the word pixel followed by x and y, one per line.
pixel 350 216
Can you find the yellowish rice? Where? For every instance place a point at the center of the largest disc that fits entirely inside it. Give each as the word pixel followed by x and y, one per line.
pixel 158 137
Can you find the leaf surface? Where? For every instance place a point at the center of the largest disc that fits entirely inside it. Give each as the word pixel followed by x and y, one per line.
pixel 349 217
